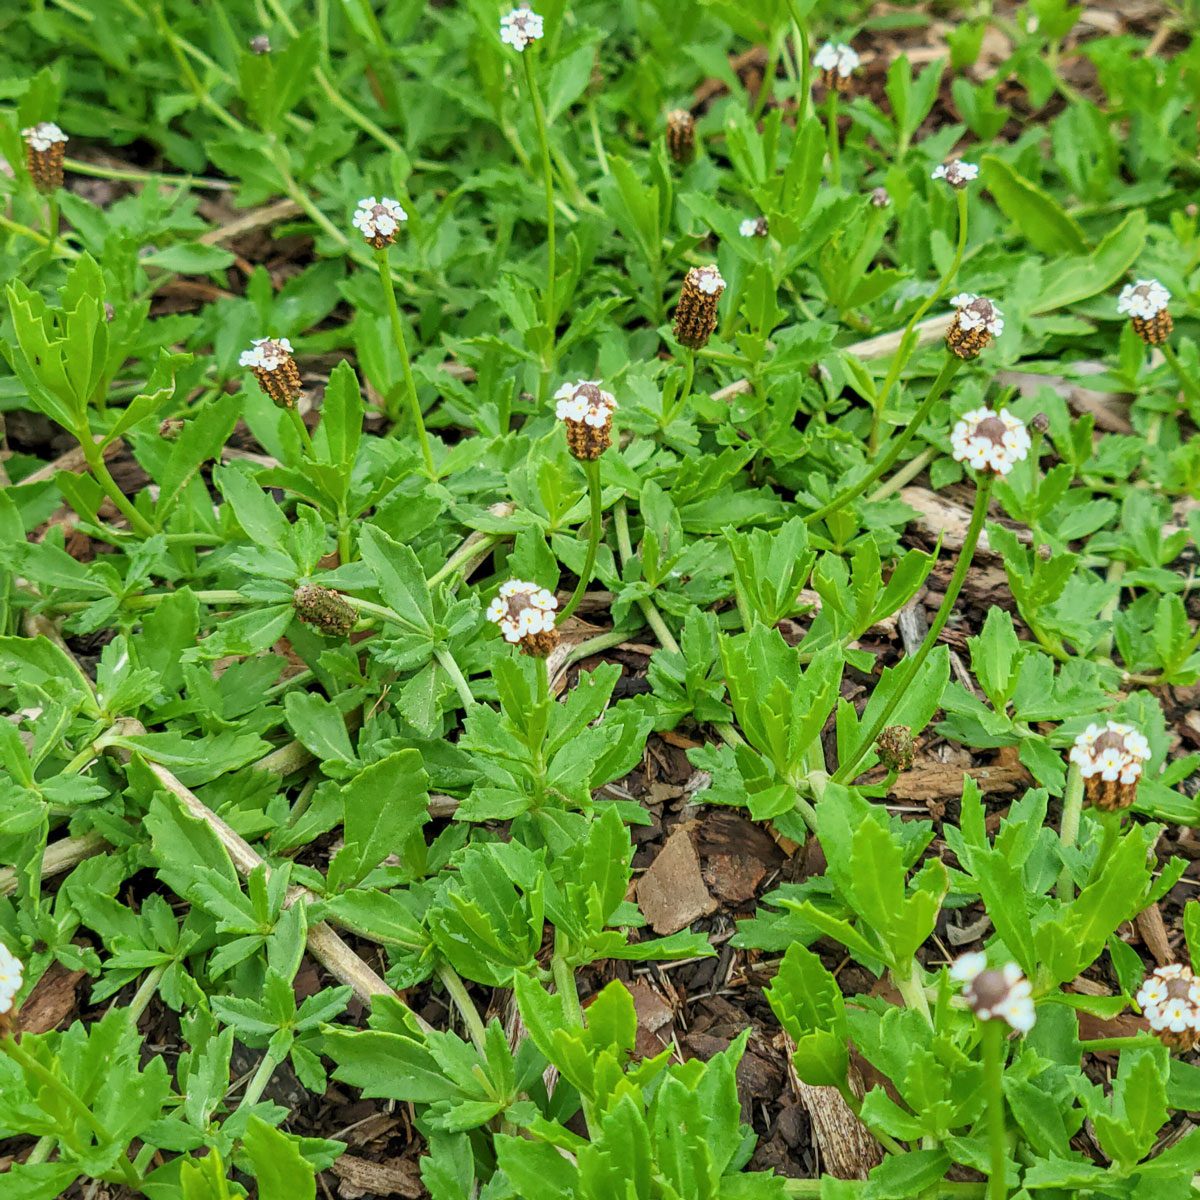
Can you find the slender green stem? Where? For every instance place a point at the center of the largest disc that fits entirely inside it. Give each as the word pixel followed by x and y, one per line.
pixel 410 386
pixel 591 468
pixel 1188 385
pixel 888 460
pixel 62 250
pixel 564 982
pixel 467 553
pixel 259 1081
pixel 768 76
pixel 907 341
pixel 461 686
pixel 1114 1045
pixel 906 474
pixel 648 609
pixel 801 33
pixel 908 671
pixel 551 310
pixel 1069 829
pixel 306 443
pixel 201 93
pixel 993 1084
pixel 912 990
pixel 52 220
pixel 831 133
pixel 457 990
pixel 48 1079
pixel 96 171
pixel 685 390
pixel 145 993
pixel 94 457
pixel 344 543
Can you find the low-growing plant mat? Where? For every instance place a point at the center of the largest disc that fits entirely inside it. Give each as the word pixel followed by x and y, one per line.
pixel 599 602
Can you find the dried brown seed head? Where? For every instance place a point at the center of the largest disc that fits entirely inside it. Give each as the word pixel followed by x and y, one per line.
pixel 324 609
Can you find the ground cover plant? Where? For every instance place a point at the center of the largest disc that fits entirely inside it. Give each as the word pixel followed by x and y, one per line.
pixel 599 600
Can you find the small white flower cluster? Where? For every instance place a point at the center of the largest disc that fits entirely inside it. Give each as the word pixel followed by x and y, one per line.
pixel 585 402
pixel 1113 751
pixel 836 58
pixel 1003 994
pixel 978 312
pixel 993 441
pixel 42 136
pixel 956 172
pixel 522 609
pixel 520 27
pixel 376 219
pixel 1144 299
pixel 753 227
pixel 11 975
pixel 267 354
pixel 707 280
pixel 1170 999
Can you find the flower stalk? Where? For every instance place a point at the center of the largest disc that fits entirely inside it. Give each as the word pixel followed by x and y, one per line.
pixel 550 318
pixel 591 469
pixel 993 1083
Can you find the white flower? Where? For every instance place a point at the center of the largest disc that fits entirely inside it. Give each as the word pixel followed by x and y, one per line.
pixel 379 218
pixel 42 136
pixel 267 354
pixel 990 441
pixel 11 975
pixel 520 27
pixel 967 966
pixel 585 401
pixel 956 172
pixel 1003 994
pixel 708 280
pixel 521 609
pixel 1113 751
pixel 837 58
pixel 1170 999
pixel 753 227
pixel 1144 299
pixel 978 312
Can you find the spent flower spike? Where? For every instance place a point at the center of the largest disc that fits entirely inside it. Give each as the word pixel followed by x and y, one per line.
pixel 1110 758
pixel 379 220
pixel 990 441
pixel 586 410
pixel 12 973
pixel 976 321
pixel 521 27
pixel 1000 994
pixel 956 172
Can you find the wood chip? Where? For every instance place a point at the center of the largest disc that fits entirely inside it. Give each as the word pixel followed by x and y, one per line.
pixel 938 516
pixel 943 781
pixel 1154 934
pixel 672 893
pixel 391 1177
pixel 51 1002
pixel 847 1148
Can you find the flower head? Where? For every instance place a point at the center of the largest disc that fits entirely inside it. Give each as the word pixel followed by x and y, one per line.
pixel 520 27
pixel 754 227
pixel 896 748
pixel 45 151
pixel 379 220
pixel 1145 304
pixel 696 312
pixel 1110 758
pixel 275 369
pixel 956 172
pixel 260 44
pixel 12 974
pixel 1001 994
pixel 880 197
pixel 976 321
pixel 525 614
pixel 837 62
pixel 990 441
pixel 1170 1002
pixel 324 609
pixel 587 411
pixel 43 135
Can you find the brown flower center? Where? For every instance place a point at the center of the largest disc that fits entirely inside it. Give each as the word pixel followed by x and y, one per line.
pixel 989 988
pixel 993 429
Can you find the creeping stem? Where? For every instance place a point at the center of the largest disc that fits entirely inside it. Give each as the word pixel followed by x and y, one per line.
pixel 908 671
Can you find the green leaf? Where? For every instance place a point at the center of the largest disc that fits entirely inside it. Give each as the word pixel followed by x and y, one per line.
pixel 1040 218
pixel 1075 279
pixel 281 1170
pixel 808 1002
